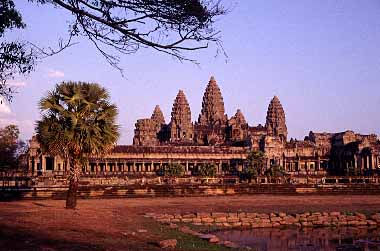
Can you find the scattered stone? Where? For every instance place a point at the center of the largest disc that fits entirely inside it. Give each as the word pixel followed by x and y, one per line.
pixel 142 230
pixel 170 243
pixel 229 244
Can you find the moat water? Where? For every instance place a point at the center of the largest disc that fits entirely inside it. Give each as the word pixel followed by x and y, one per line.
pixel 310 239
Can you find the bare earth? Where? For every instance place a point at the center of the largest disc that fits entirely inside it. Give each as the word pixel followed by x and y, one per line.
pixel 109 224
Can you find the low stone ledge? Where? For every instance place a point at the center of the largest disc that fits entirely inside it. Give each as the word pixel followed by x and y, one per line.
pixel 272 220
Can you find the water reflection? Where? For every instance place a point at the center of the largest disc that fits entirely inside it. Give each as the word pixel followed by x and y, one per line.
pixel 334 239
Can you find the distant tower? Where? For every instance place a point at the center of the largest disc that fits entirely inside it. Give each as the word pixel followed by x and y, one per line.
pixel 158 116
pixel 212 105
pixel 181 128
pixel 237 127
pixel 275 122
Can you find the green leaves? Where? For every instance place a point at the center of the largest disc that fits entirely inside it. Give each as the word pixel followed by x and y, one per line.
pixel 78 121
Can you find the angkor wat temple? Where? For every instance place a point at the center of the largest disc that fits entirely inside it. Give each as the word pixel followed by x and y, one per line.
pixel 226 141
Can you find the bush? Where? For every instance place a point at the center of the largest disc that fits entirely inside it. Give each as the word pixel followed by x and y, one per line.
pixel 275 171
pixel 172 170
pixel 207 170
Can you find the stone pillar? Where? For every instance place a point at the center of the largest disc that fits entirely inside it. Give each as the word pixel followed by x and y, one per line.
pixel 134 167
pixel 373 162
pixel 367 162
pixel 143 167
pixel 43 164
pixel 220 167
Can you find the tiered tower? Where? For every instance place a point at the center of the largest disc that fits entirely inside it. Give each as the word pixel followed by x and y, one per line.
pixel 181 128
pixel 212 105
pixel 275 122
pixel 237 127
pixel 158 116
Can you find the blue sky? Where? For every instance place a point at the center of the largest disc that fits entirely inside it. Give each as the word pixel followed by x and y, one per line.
pixel 321 58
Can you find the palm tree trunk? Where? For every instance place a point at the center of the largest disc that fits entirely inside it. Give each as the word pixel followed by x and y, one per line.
pixel 71 199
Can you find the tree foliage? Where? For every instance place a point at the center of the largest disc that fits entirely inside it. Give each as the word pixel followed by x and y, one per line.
pixel 207 170
pixel 15 57
pixel 275 171
pixel 10 147
pixel 255 163
pixel 78 121
pixel 116 28
pixel 173 170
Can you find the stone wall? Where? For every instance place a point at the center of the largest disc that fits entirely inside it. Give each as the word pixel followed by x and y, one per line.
pixel 166 190
pixel 262 220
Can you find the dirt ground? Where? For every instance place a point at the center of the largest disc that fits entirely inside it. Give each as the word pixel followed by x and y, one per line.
pixel 110 224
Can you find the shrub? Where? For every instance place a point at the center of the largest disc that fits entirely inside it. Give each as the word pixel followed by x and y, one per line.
pixel 275 171
pixel 207 170
pixel 172 170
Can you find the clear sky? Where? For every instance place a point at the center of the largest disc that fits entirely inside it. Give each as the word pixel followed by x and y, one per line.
pixel 321 58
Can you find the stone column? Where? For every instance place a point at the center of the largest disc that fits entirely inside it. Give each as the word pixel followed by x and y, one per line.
pixel 373 162
pixel 367 162
pixel 134 167
pixel 43 164
pixel 187 166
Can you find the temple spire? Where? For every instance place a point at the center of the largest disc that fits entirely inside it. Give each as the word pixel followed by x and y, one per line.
pixel 275 121
pixel 212 105
pixel 158 116
pixel 181 127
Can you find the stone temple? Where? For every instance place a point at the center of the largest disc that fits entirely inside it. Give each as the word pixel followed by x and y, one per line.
pixel 216 138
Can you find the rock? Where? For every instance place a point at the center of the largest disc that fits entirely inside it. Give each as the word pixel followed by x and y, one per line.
pixel 173 226
pixel 221 219
pixel 229 244
pixel 219 215
pixel 203 215
pixel 360 215
pixel 232 219
pixel 207 220
pixel 371 223
pixel 242 215
pixel 170 243
pixel 186 220
pixel 142 230
pixel 281 214
pixel 214 240
pixel 251 215
pixel 334 213
pixel 206 236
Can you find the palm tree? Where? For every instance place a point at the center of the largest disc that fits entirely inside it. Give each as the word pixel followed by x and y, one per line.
pixel 78 121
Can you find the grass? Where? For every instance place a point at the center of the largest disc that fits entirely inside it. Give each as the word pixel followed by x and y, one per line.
pixel 184 241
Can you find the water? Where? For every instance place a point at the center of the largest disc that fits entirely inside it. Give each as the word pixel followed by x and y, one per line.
pixel 310 239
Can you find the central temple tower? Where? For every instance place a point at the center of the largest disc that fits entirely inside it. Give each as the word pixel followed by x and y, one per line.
pixel 212 105
pixel 212 122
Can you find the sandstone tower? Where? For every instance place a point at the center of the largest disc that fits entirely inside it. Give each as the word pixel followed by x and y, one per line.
pixel 212 105
pixel 181 128
pixel 275 121
pixel 158 116
pixel 237 127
